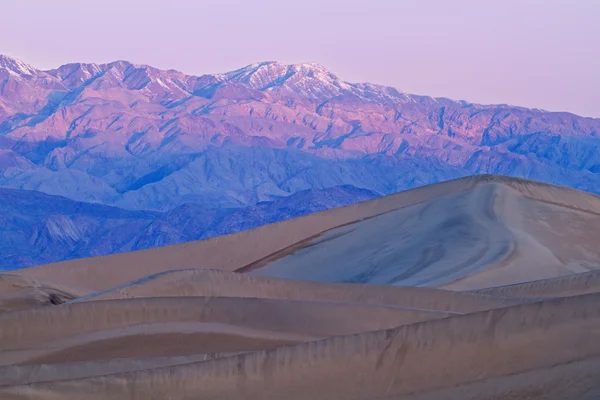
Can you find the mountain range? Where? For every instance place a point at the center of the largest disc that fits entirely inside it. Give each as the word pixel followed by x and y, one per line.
pixel 102 158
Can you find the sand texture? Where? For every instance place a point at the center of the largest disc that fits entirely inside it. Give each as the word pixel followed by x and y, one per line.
pixel 482 288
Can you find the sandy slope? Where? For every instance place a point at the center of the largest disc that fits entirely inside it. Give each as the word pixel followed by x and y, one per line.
pixel 180 323
pixel 564 286
pixel 21 292
pixel 421 357
pixel 215 283
pixel 454 233
pixel 137 327
pixel 232 251
pixel 24 374
pixel 471 240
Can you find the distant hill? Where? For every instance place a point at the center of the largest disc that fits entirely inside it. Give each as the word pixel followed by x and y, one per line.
pixel 139 138
pixel 37 228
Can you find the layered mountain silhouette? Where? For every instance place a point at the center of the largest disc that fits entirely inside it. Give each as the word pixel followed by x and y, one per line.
pixel 153 143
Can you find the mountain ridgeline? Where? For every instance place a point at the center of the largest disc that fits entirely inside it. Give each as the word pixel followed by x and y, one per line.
pixel 167 157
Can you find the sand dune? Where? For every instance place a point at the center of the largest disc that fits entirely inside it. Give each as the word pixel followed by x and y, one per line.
pixel 556 381
pixel 427 356
pixel 564 286
pixel 216 283
pixel 136 327
pixel 456 234
pixel 230 252
pixel 576 380
pixel 24 374
pixel 154 340
pixel 471 240
pixel 483 288
pixel 21 292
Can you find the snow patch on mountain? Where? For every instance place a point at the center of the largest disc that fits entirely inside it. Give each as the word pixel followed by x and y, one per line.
pixel 16 67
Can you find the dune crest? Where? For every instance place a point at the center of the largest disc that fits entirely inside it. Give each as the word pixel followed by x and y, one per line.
pixel 534 201
pixel 482 288
pixel 373 365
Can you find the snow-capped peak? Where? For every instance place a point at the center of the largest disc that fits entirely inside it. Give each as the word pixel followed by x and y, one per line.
pixel 86 70
pixel 307 79
pixel 16 67
pixel 311 66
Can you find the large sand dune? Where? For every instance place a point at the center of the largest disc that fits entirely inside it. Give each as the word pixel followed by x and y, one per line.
pixel 463 241
pixel 483 288
pixel 469 233
pixel 215 283
pixel 427 356
pixel 134 328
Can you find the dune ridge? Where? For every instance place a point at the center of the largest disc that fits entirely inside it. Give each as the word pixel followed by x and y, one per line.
pixel 482 288
pixel 471 240
pixel 22 292
pixel 372 365
pixel 34 373
pixel 217 283
pixel 236 250
pixel 563 286
pixel 107 328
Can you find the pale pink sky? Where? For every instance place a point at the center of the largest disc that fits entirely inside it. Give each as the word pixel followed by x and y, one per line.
pixel 534 53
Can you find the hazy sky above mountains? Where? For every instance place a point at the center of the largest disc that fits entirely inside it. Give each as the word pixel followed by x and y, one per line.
pixel 534 53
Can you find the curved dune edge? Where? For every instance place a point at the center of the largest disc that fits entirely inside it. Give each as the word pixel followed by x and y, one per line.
pixel 24 327
pixel 564 286
pixel 109 328
pixel 237 250
pixel 475 239
pixel 155 340
pixel 411 359
pixel 26 374
pixel 577 380
pixel 217 283
pixel 19 292
pixel 145 325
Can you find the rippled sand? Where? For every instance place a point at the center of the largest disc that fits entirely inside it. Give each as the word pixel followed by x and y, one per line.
pixel 479 288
